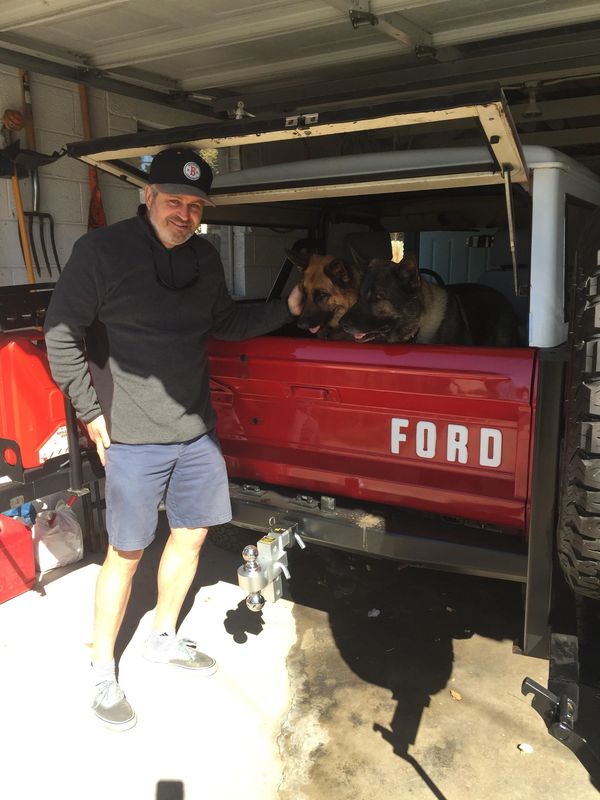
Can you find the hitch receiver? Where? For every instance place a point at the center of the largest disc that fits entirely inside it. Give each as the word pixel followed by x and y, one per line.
pixel 260 576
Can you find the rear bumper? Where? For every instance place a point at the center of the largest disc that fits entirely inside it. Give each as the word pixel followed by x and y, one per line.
pixel 400 534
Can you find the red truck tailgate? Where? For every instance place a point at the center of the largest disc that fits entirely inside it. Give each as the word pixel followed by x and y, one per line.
pixel 441 429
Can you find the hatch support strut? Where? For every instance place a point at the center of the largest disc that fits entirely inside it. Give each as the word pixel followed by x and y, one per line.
pixel 520 291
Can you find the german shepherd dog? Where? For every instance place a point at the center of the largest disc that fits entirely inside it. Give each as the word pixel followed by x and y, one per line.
pixel 396 305
pixel 331 287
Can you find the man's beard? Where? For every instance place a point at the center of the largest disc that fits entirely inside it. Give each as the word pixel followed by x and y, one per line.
pixel 168 234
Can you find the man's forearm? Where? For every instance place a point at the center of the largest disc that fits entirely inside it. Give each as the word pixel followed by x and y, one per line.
pixel 69 369
pixel 255 319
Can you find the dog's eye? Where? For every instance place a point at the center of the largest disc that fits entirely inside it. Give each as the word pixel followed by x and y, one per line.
pixel 378 296
pixel 322 296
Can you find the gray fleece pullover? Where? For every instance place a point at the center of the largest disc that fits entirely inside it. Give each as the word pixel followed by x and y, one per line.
pixel 122 344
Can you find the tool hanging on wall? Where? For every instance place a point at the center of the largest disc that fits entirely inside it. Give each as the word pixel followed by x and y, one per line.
pixel 13 120
pixel 96 215
pixel 36 216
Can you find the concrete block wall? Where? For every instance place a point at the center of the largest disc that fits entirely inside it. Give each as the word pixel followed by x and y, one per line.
pixel 64 188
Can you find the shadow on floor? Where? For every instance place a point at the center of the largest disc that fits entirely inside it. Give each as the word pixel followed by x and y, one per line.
pixel 170 790
pixel 395 627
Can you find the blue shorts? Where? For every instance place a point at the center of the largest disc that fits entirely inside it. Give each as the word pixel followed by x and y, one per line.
pixel 193 474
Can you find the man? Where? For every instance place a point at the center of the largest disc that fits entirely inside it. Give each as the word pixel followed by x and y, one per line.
pixel 146 293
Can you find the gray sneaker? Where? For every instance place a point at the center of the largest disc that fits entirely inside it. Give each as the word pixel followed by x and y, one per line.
pixel 180 653
pixel 112 707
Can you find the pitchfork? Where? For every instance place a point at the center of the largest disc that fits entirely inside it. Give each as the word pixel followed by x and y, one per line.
pixel 36 215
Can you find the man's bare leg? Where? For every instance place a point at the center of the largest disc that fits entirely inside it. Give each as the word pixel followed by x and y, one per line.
pixel 178 566
pixel 176 572
pixel 113 589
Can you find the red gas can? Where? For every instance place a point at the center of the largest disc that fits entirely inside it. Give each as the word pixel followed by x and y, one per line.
pixel 17 570
pixel 32 411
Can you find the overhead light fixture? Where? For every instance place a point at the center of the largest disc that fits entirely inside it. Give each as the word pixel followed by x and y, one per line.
pixel 360 18
pixel 240 111
pixel 360 14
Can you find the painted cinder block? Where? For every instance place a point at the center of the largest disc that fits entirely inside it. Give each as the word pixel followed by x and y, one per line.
pixel 64 185
pixel 53 104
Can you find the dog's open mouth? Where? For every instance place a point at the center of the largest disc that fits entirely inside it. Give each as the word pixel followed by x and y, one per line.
pixel 368 336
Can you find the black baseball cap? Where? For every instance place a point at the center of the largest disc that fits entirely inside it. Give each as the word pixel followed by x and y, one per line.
pixel 180 170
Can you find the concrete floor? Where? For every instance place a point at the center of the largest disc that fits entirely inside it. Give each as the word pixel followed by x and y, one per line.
pixel 314 698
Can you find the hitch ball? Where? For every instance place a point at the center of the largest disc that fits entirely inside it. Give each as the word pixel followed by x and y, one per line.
pixel 255 602
pixel 250 554
pixel 251 571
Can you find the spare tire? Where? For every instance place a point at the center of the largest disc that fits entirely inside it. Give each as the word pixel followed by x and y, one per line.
pixel 579 519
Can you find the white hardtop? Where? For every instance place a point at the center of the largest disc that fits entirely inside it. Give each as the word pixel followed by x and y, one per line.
pixel 413 161
pixel 367 173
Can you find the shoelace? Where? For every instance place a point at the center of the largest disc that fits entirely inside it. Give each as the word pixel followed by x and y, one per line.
pixel 109 693
pixel 185 645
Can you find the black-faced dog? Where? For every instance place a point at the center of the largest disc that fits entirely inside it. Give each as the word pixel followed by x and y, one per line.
pixel 396 305
pixel 330 288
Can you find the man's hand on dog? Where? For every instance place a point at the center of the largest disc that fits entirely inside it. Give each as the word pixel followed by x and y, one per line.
pixel 296 300
pixel 99 435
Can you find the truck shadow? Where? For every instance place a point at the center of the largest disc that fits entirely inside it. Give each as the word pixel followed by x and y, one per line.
pixel 394 628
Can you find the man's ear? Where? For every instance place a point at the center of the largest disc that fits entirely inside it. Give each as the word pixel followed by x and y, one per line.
pixel 338 272
pixel 301 260
pixel 148 196
pixel 408 270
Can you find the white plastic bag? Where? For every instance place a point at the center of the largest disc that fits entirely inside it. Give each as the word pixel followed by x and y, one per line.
pixel 57 538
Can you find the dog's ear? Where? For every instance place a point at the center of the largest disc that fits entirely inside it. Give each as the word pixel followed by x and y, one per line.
pixel 409 271
pixel 338 272
pixel 299 259
pixel 359 259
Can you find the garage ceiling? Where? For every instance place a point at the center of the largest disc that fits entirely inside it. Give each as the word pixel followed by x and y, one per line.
pixel 226 57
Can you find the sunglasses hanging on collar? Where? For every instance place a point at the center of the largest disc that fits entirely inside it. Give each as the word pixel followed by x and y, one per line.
pixel 176 268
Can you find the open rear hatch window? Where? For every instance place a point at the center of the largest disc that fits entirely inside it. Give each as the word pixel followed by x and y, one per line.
pixel 292 172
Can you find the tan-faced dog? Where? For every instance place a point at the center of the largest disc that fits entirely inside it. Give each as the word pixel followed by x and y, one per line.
pixel 330 287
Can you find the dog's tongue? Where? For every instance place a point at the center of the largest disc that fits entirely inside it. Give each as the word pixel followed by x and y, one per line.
pixel 316 329
pixel 359 336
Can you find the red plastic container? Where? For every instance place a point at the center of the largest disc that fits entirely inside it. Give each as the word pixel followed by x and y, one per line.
pixel 17 569
pixel 32 411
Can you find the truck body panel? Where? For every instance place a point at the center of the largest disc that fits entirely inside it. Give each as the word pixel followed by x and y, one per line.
pixel 440 429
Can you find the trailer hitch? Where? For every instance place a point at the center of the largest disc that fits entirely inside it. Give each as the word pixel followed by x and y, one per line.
pixel 559 708
pixel 260 576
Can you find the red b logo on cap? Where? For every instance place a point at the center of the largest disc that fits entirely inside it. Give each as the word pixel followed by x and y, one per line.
pixel 191 171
